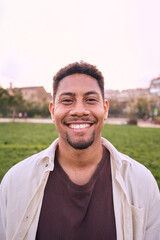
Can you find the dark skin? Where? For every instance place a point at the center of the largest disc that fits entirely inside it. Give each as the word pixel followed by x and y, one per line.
pixel 78 113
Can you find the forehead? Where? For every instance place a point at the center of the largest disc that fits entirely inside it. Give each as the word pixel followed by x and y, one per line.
pixel 78 83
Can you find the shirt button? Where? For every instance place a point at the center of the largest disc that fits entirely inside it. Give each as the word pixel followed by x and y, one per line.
pixel 46 165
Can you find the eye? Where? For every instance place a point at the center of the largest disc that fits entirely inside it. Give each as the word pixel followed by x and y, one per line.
pixel 67 101
pixel 91 100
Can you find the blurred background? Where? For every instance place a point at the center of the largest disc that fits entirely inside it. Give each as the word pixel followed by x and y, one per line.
pixel 39 37
pixel 120 37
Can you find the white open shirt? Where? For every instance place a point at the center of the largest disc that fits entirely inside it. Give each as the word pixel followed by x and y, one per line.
pixel 136 197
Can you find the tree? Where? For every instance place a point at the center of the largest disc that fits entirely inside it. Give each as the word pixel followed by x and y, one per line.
pixel 116 108
pixel 5 99
pixel 17 101
pixel 142 107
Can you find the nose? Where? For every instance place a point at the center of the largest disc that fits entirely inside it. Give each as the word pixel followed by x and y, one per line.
pixel 79 110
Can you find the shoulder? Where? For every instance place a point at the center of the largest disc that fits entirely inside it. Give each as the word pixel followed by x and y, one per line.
pixel 137 173
pixel 31 167
pixel 24 166
pixel 125 164
pixel 137 176
pixel 134 176
pixel 20 177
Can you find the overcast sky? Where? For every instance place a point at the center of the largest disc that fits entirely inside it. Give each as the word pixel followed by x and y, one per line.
pixel 121 37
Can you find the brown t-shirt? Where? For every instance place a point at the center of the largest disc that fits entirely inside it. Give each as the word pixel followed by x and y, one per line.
pixel 73 212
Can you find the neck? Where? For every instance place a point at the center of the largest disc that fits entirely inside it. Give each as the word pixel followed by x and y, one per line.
pixel 79 164
pixel 79 158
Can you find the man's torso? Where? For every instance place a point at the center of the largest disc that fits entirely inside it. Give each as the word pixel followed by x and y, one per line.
pixel 70 211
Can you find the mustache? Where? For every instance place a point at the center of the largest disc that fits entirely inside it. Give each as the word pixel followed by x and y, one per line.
pixel 82 119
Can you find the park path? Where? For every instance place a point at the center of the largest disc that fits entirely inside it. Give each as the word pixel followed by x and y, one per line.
pixel 113 121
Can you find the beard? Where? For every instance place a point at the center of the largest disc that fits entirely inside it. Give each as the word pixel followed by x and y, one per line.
pixel 80 144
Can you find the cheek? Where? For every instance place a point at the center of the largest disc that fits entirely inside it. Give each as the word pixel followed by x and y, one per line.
pixel 57 120
pixel 101 115
pixel 59 115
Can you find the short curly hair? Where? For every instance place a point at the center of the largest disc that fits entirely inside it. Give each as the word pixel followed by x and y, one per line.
pixel 78 67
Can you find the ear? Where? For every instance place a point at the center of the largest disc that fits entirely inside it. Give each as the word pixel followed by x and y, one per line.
pixel 106 108
pixel 51 109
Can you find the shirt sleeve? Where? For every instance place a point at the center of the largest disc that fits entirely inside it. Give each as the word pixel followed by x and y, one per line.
pixel 3 204
pixel 153 219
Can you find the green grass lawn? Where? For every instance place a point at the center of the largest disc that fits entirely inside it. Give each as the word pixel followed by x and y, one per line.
pixel 20 140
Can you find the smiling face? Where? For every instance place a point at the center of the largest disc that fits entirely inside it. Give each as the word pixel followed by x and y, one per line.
pixel 79 111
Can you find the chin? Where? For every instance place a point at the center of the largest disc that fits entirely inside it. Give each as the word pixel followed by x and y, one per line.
pixel 81 144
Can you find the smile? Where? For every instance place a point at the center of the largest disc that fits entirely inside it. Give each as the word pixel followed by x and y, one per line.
pixel 79 126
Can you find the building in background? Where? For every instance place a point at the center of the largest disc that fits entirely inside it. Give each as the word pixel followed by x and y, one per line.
pixel 139 102
pixel 34 94
pixel 125 95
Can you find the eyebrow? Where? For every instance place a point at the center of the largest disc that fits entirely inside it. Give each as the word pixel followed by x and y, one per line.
pixel 91 92
pixel 73 94
pixel 67 93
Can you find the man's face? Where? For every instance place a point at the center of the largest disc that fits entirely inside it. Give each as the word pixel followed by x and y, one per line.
pixel 79 111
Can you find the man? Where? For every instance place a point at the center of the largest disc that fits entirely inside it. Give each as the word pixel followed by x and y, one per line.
pixel 81 187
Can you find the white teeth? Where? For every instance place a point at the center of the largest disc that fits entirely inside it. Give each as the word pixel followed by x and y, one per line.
pixel 79 126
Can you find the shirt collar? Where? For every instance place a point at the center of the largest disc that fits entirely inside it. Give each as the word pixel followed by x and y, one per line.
pixel 47 155
pixel 118 157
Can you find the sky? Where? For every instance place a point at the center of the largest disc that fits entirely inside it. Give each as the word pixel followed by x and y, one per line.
pixel 120 37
